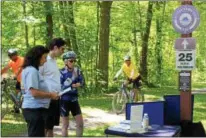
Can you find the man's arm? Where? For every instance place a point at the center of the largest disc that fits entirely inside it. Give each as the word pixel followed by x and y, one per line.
pixel 5 69
pixel 118 73
pixel 132 74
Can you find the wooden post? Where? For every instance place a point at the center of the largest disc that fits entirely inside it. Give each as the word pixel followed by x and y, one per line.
pixel 186 97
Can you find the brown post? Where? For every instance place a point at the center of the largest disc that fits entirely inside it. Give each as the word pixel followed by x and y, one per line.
pixel 186 97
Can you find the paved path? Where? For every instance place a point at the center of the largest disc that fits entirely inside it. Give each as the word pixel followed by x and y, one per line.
pixel 93 118
pixel 199 91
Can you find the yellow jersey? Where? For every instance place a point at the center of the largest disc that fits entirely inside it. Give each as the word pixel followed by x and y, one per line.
pixel 130 71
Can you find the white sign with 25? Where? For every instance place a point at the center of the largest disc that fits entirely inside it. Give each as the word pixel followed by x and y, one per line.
pixel 185 60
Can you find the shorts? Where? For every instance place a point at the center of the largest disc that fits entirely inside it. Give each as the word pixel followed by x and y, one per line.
pixel 136 82
pixel 53 116
pixel 35 119
pixel 18 85
pixel 67 106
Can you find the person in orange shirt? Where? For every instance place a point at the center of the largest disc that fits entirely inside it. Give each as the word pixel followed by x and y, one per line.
pixel 15 65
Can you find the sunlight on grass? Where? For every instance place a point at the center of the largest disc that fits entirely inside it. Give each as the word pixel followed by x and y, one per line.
pixel 94 132
pixel 151 97
pixel 204 123
pixel 95 111
pixel 12 122
pixel 13 125
pixel 99 131
pixel 102 102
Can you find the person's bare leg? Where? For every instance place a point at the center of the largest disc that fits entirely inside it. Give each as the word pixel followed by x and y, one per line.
pixel 18 97
pixel 135 95
pixel 17 91
pixel 80 125
pixel 65 125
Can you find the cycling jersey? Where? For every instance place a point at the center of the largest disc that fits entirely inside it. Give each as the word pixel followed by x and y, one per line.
pixel 16 65
pixel 130 71
pixel 67 79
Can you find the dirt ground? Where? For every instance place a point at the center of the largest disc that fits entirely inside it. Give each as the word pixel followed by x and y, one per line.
pixel 93 118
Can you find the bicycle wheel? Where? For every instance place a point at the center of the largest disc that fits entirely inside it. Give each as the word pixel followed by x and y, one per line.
pixel 140 96
pixel 4 105
pixel 118 102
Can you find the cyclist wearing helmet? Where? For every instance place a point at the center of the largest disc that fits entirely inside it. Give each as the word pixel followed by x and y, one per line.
pixel 131 73
pixel 51 75
pixel 15 64
pixel 71 79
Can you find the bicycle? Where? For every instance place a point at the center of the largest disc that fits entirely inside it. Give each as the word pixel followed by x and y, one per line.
pixel 4 99
pixel 123 96
pixel 8 97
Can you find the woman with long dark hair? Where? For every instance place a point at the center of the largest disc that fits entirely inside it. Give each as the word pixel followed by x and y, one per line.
pixel 35 92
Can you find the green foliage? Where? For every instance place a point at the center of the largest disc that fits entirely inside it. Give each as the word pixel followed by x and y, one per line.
pixel 127 19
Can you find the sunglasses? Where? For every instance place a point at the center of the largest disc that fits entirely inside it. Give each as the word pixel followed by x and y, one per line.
pixel 71 61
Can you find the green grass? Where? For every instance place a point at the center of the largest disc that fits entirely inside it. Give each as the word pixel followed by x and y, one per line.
pixel 102 102
pixel 13 125
pixel 99 131
pixel 199 113
pixel 151 94
pixel 199 85
pixel 16 126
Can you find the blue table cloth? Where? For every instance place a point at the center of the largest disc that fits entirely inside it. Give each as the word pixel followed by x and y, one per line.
pixel 157 131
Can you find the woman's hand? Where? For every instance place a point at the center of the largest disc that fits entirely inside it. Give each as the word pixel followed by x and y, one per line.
pixel 54 96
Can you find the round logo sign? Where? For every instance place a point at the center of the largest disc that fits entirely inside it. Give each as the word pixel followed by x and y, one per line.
pixel 185 19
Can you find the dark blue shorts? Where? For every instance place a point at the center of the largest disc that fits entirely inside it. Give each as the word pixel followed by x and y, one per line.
pixel 136 82
pixel 67 106
pixel 18 85
pixel 53 116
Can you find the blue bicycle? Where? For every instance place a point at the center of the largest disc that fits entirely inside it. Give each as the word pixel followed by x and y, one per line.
pixel 125 95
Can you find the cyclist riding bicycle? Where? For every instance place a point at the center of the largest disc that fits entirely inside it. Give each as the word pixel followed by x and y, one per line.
pixel 132 75
pixel 15 64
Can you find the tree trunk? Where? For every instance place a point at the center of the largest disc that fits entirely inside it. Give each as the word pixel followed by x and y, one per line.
pixel 97 45
pixel 143 61
pixel 135 31
pixel 105 7
pixel 72 31
pixel 49 21
pixel 158 47
pixel 34 26
pixel 25 24
pixel 63 5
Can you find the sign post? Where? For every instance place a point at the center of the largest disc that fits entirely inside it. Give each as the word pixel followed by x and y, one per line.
pixel 185 21
pixel 185 53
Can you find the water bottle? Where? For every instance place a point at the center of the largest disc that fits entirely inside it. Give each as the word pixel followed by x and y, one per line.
pixel 145 122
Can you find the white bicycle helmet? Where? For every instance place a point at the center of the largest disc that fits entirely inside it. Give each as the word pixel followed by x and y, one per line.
pixel 12 52
pixel 69 55
pixel 127 57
